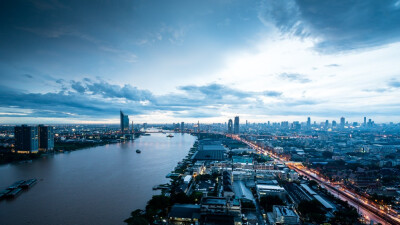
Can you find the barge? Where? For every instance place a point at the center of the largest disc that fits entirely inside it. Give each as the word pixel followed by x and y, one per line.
pixel 28 183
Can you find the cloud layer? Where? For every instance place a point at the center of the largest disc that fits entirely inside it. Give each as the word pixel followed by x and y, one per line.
pixel 337 25
pixel 163 61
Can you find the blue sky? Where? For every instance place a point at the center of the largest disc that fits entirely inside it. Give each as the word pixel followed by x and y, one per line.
pixel 168 61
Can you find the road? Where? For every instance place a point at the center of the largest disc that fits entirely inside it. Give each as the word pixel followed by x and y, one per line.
pixel 368 210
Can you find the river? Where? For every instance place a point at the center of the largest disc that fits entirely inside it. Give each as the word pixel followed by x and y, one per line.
pixel 100 185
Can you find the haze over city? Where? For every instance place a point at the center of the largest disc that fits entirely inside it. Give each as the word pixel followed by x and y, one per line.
pixel 168 61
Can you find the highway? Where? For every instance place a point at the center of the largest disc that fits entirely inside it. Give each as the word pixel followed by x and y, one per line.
pixel 370 211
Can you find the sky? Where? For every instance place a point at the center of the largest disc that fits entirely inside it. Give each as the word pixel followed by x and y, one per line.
pixel 80 61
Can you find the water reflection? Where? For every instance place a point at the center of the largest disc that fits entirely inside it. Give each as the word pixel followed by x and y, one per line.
pixel 94 186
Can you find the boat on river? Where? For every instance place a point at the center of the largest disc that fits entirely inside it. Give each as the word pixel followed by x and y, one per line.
pixel 138 151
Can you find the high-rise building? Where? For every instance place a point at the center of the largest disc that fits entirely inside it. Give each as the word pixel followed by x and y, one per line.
pixel 296 125
pixel 182 126
pixel 342 121
pixel 124 122
pixel 365 121
pixel 46 138
pixel 236 125
pixel 326 123
pixel 230 126
pixel 26 139
pixel 370 122
pixel 308 122
pixel 333 123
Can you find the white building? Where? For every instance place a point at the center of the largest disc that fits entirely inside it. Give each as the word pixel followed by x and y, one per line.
pixel 274 190
pixel 187 179
pixel 284 215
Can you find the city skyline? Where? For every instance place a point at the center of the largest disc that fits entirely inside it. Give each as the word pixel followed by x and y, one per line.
pixel 123 119
pixel 71 62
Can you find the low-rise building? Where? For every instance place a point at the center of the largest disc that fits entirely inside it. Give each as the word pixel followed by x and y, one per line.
pixel 274 190
pixel 181 214
pixel 284 215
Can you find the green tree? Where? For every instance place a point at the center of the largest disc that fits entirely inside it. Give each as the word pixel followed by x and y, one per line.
pixel 345 216
pixel 180 198
pixel 312 210
pixel 312 183
pixel 137 218
pixel 157 205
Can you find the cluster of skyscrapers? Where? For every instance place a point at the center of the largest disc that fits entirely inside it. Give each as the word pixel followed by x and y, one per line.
pixel 233 127
pixel 31 139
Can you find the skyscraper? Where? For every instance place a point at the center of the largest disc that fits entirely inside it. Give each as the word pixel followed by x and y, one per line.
pixel 365 121
pixel 342 121
pixel 124 122
pixel 236 125
pixel 182 126
pixel 26 139
pixel 198 126
pixel 46 138
pixel 230 125
pixel 308 122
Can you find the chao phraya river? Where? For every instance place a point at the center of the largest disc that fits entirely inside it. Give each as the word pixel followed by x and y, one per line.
pixel 100 185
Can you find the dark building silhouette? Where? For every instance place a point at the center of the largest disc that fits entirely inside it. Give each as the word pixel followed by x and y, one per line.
pixel 26 139
pixel 46 138
pixel 124 122
pixel 236 125
pixel 342 121
pixel 230 126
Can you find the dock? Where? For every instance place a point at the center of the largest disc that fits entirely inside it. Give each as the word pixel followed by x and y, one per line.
pixel 161 187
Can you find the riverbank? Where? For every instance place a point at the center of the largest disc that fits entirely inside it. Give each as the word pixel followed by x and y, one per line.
pixel 7 156
pixel 158 206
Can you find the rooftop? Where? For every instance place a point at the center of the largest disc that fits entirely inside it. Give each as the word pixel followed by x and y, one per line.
pixel 185 211
pixel 270 187
pixel 214 201
pixel 283 211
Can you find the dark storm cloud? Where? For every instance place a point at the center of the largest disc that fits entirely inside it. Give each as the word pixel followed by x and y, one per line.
pixel 101 99
pixel 126 91
pixel 62 104
pixel 339 24
pixel 296 77
pixel 77 86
